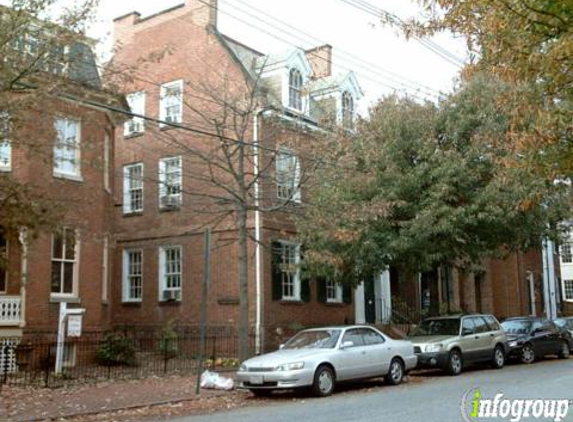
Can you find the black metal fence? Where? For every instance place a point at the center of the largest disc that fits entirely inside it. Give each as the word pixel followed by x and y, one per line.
pixel 123 353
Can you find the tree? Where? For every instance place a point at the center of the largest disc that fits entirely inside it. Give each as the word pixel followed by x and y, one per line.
pixel 427 187
pixel 33 37
pixel 528 44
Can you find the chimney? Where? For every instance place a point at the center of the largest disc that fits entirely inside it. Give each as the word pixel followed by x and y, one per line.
pixel 209 18
pixel 123 27
pixel 320 59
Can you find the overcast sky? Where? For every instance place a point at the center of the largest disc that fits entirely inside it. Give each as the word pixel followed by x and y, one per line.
pixel 382 59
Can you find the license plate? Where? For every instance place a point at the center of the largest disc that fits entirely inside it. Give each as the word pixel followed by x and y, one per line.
pixel 256 380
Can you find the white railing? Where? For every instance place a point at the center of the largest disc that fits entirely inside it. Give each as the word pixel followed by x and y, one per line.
pixel 9 310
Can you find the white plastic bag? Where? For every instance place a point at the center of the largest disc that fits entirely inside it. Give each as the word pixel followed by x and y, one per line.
pixel 214 381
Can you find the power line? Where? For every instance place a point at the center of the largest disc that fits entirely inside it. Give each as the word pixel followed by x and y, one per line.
pixel 429 44
pixel 347 56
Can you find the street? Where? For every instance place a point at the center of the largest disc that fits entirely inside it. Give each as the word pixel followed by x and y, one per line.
pixel 428 398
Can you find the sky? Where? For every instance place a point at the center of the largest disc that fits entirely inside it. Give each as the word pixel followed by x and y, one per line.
pixel 383 60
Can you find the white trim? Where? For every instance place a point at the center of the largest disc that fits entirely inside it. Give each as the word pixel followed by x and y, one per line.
pixel 162 183
pixel 105 270
pixel 296 297
pixel 162 274
pixel 76 265
pixel 564 290
pixel 135 125
pixel 127 189
pixel 294 178
pixel 125 287
pixel 337 292
pixel 163 117
pixel 77 173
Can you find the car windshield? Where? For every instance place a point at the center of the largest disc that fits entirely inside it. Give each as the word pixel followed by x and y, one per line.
pixel 565 323
pixel 437 327
pixel 516 327
pixel 315 339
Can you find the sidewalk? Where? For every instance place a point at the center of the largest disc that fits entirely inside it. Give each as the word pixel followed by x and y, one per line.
pixel 126 400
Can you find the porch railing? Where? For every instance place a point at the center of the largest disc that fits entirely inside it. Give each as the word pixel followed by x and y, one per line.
pixel 10 308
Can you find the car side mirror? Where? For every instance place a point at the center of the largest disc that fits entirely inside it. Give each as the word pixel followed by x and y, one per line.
pixel 282 346
pixel 346 344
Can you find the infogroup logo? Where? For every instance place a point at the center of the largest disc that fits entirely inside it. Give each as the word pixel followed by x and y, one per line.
pixel 475 407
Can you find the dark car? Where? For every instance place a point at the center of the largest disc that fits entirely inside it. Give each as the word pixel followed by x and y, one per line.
pixel 531 338
pixel 566 323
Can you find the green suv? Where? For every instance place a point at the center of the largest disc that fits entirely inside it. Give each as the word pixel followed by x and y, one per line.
pixel 452 342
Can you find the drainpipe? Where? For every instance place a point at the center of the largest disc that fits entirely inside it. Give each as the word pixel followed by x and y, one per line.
pixel 258 237
pixel 23 237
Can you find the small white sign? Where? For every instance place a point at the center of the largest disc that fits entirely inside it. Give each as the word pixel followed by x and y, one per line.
pixel 74 325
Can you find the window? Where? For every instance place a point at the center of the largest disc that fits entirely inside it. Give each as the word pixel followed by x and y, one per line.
pixel 132 275
pixel 5 144
pixel 568 290
pixel 468 326
pixel 105 270
pixel 133 188
pixel 171 102
pixel 289 267
pixel 371 337
pixel 288 176
pixel 170 273
pixel 355 336
pixel 480 325
pixel 136 124
pixel 347 110
pixel 3 263
pixel 295 89
pixel 333 292
pixel 106 162
pixel 64 262
pixel 566 255
pixel 170 181
pixel 67 148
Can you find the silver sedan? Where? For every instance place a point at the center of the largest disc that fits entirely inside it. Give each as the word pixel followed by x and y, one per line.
pixel 321 357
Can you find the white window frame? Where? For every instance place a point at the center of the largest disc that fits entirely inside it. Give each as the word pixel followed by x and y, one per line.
pixel 7 256
pixel 64 260
pixel 59 145
pixel 165 102
pixel 129 190
pixel 296 282
pixel 135 125
pixel 333 292
pixel 105 270
pixel 163 273
pixel 567 286
pixel 106 163
pixel 127 276
pixel 170 200
pixel 289 189
pixel 347 113
pixel 5 143
pixel 295 97
pixel 566 251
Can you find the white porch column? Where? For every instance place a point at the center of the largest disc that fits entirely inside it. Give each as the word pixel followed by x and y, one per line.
pixel 359 310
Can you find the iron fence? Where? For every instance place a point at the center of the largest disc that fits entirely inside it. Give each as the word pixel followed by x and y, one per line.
pixel 123 353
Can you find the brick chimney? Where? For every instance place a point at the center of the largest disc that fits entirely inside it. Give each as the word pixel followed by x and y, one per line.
pixel 320 59
pixel 123 27
pixel 211 8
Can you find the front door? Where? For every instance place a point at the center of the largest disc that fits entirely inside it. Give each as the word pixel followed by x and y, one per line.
pixel 369 301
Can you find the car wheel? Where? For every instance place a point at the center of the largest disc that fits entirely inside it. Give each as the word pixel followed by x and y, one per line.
pixel 527 354
pixel 396 372
pixel 564 352
pixel 324 382
pixel 261 393
pixel 455 363
pixel 498 357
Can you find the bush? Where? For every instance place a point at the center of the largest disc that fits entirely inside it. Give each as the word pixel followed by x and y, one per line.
pixel 116 350
pixel 167 346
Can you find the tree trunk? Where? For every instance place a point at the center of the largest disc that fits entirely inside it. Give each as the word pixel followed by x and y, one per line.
pixel 243 285
pixel 433 280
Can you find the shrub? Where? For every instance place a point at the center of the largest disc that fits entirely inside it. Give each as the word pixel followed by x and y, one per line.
pixel 116 350
pixel 167 346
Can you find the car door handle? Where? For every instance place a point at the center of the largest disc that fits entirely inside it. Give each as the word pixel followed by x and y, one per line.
pixel 492 335
pixel 476 337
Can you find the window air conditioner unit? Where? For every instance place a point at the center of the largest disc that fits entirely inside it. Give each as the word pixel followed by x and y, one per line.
pixel 170 202
pixel 171 295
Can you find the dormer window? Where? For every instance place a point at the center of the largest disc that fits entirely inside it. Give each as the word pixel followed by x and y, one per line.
pixel 295 88
pixel 347 110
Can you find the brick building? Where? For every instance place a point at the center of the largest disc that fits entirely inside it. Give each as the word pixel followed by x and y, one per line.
pixel 170 193
pixel 57 145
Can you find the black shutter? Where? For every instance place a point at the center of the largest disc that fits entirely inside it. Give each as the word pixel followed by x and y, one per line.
pixel 305 290
pixel 321 290
pixel 276 259
pixel 347 294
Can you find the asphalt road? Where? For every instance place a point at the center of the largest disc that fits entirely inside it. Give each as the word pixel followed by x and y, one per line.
pixel 425 398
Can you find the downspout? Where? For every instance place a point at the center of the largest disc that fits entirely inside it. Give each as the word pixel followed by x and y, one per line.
pixel 258 237
pixel 23 237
